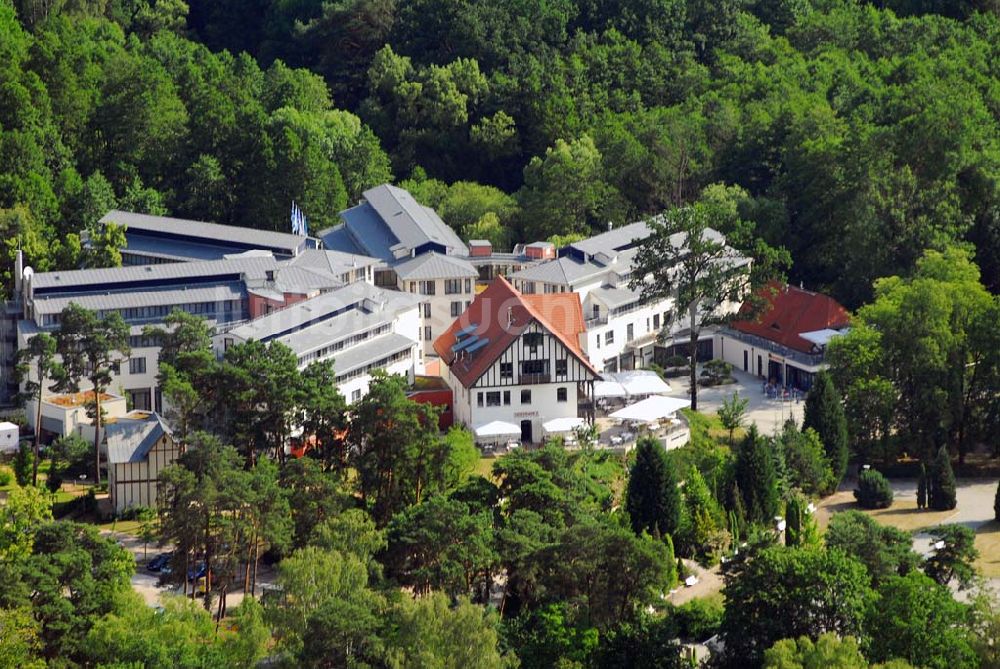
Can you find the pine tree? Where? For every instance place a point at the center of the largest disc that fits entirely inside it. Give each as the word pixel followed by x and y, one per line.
pixel 757 476
pixel 943 496
pixel 23 463
pixel 800 528
pixel 652 500
pixel 825 414
pixel 922 487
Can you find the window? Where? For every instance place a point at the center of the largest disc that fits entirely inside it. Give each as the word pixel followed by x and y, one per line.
pixel 560 394
pixel 506 370
pixel 609 337
pixel 141 399
pixel 532 340
pixel 562 368
pixel 356 395
pixel 629 332
pixel 479 399
pixel 137 366
pixel 656 321
pixel 525 397
pixel 468 285
pixel 506 398
pixel 426 287
pixel 493 398
pixel 529 287
pixel 529 367
pixel 226 343
pixel 598 340
pixel 456 309
pixel 452 286
pixel 427 333
pixel 426 308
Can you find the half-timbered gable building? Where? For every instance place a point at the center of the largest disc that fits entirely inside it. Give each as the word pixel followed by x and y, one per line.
pixel 517 358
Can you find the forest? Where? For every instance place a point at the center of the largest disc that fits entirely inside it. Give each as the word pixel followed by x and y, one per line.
pixel 855 135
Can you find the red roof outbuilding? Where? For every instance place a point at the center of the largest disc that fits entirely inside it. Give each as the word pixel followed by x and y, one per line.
pixel 789 312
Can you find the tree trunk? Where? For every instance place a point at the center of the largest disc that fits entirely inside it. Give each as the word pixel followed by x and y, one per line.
pixel 693 352
pixel 256 562
pixel 97 437
pixel 38 435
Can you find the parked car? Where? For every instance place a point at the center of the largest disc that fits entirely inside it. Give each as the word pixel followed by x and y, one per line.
pixel 197 571
pixel 160 563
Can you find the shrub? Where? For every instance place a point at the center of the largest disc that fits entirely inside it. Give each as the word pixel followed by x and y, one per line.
pixel 698 619
pixel 942 495
pixel 873 491
pixel 716 372
pixel 6 477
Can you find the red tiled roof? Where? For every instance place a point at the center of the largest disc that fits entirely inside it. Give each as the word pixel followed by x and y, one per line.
pixel 502 314
pixel 791 312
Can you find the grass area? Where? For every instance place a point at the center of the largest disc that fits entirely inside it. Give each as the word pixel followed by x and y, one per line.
pixel 988 544
pixel 903 514
pixel 484 468
pixel 121 527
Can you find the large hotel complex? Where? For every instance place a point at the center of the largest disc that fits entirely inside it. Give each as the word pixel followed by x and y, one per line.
pixel 518 337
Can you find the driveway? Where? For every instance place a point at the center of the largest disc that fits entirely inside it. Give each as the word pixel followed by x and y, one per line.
pixel 147 583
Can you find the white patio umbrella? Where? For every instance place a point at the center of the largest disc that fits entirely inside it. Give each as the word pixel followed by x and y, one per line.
pixel 651 409
pixel 560 425
pixel 609 389
pixel 497 428
pixel 643 382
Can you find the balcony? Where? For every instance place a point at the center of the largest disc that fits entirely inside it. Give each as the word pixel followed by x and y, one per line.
pixel 532 379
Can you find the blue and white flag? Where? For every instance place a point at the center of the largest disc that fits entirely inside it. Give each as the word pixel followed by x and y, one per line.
pixel 299 224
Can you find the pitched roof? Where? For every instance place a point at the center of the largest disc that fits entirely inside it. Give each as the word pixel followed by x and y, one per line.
pixel 131 440
pixel 791 311
pixel 435 266
pixel 615 239
pixel 332 261
pixel 213 234
pixel 390 224
pixel 502 314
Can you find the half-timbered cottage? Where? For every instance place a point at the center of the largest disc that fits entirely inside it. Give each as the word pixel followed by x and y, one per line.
pixel 517 358
pixel 138 450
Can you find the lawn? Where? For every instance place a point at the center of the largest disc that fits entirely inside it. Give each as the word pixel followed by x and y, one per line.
pixel 484 468
pixel 902 515
pixel 988 544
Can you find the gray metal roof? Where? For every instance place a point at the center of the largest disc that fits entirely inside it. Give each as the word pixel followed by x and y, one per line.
pixel 75 279
pixel 568 271
pixel 342 310
pixel 338 238
pixel 145 298
pixel 615 297
pixel 390 224
pixel 211 232
pixel 131 440
pixel 614 239
pixel 371 351
pixel 435 266
pixel 411 223
pixel 334 262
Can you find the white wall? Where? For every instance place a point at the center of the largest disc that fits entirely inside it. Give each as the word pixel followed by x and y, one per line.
pixel 440 308
pixel 9 438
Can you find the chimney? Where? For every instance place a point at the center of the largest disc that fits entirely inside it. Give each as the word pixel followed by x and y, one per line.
pixel 18 270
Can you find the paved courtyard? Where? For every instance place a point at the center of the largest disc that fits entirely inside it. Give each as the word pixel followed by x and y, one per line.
pixel 766 413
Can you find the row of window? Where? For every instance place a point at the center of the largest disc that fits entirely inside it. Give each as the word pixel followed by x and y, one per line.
pixel 495 398
pixel 451 287
pixel 341 344
pixel 609 336
pixel 534 368
pixel 158 312
pixel 369 368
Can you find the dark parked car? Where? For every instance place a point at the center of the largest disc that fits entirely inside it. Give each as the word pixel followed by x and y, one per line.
pixel 159 563
pixel 196 572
